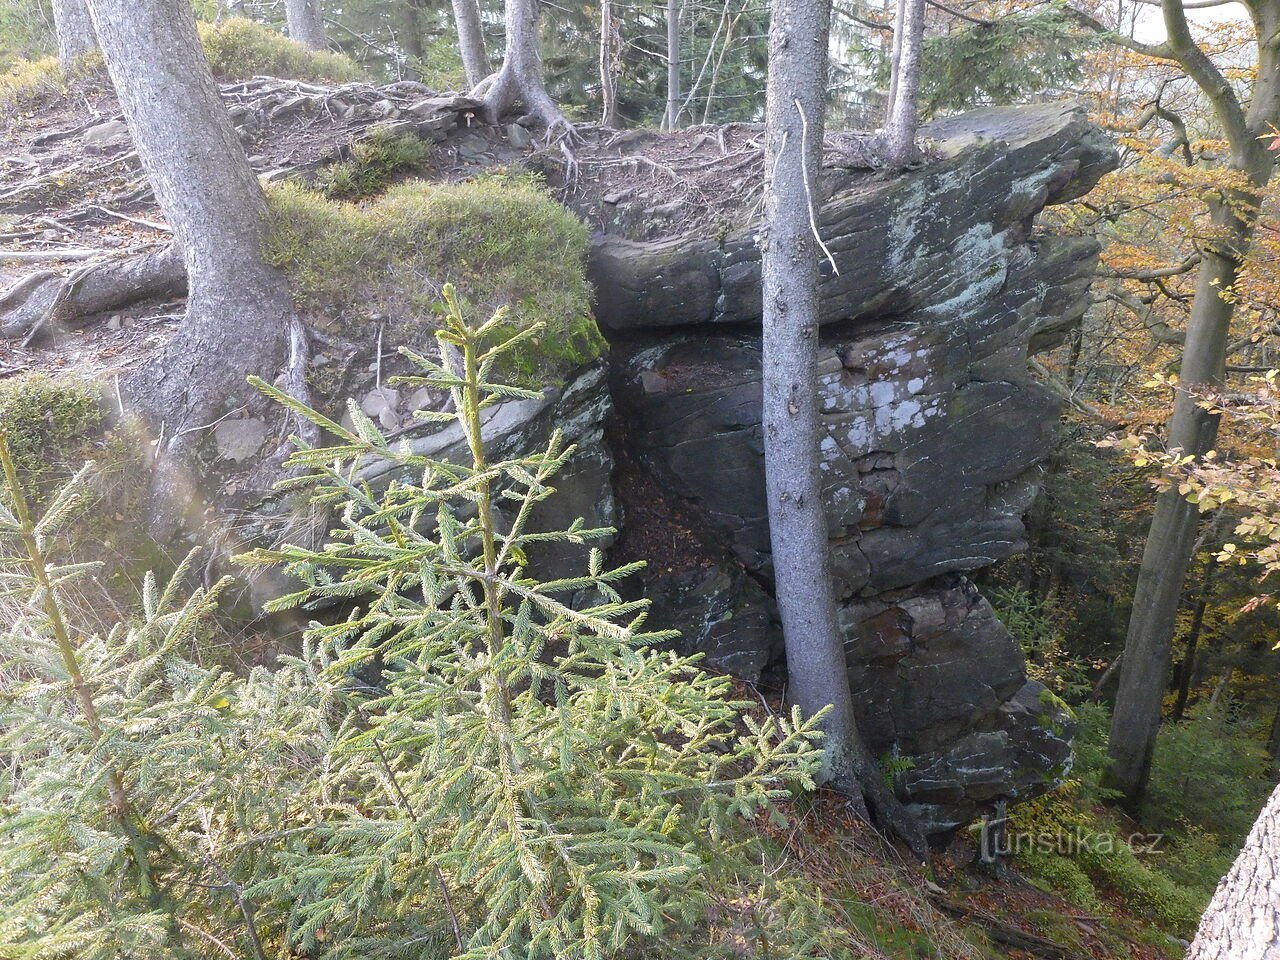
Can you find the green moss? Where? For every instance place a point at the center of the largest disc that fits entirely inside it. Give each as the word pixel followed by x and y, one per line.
pixel 1108 859
pixel 238 48
pixel 888 936
pixel 51 424
pixel 502 241
pixel 1052 872
pixel 374 164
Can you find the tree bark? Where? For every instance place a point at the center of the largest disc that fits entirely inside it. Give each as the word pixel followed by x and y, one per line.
pixel 1243 918
pixel 904 116
pixel 475 60
pixel 895 55
pixel 672 118
pixel 238 308
pixel 1171 539
pixel 74 27
pixel 816 667
pixel 521 76
pixel 1188 666
pixel 306 23
pixel 608 70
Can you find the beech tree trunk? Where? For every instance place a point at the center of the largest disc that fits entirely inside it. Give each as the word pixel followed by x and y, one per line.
pixel 608 70
pixel 672 118
pixel 816 667
pixel 1243 918
pixel 904 97
pixel 238 308
pixel 1187 668
pixel 306 23
pixel 475 61
pixel 1171 539
pixel 521 76
pixel 74 28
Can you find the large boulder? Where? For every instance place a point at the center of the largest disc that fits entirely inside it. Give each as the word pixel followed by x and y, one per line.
pixel 936 432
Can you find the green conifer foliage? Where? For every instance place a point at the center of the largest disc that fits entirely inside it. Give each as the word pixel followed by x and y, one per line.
pixel 470 763
pixel 551 783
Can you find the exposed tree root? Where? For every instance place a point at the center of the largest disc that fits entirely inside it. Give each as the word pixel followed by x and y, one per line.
pixel 47 300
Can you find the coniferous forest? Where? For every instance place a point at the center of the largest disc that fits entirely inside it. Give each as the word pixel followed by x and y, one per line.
pixel 696 479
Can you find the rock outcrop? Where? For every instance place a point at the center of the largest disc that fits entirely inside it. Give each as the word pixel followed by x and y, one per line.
pixel 935 434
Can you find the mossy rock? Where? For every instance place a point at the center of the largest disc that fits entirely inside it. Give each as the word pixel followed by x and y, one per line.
pixel 502 241
pixel 51 424
pixel 238 49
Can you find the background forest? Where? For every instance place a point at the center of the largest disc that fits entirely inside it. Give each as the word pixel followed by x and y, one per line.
pixel 233 777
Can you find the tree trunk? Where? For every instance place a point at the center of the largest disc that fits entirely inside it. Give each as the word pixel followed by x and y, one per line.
pixel 74 27
pixel 1273 742
pixel 475 61
pixel 672 118
pixel 1243 919
pixel 410 39
pixel 306 23
pixel 816 667
pixel 1188 666
pixel 521 76
pixel 895 56
pixel 608 71
pixel 238 308
pixel 904 117
pixel 1171 539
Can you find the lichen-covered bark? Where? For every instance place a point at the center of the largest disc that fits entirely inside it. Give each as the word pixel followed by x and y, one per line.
pixel 238 309
pixel 475 61
pixel 306 23
pixel 1243 919
pixel 74 28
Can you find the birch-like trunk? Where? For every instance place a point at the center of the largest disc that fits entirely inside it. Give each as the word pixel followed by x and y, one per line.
pixel 521 78
pixel 904 91
pixel 74 27
pixel 608 68
pixel 671 120
pixel 475 61
pixel 816 667
pixel 1243 918
pixel 238 308
pixel 306 23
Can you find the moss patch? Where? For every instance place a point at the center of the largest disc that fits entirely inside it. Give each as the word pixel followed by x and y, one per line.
pixel 51 424
pixel 502 241
pixel 374 164
pixel 238 49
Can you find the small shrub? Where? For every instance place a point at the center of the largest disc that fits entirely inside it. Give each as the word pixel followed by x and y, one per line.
pixel 374 164
pixel 238 48
pixel 51 424
pixel 29 82
pixel 1110 860
pixel 1037 625
pixel 1209 772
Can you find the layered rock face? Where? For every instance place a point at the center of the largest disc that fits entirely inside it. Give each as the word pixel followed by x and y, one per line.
pixel 935 432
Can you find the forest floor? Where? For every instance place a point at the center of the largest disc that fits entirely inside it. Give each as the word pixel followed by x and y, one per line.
pixel 71 188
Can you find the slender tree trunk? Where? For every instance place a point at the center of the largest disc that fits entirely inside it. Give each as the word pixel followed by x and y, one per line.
pixel 521 75
pixel 475 60
pixel 904 118
pixel 1273 742
pixel 1243 918
pixel 608 69
pixel 238 308
pixel 74 27
pixel 817 670
pixel 672 119
pixel 895 56
pixel 1188 666
pixel 306 23
pixel 1171 539
pixel 410 40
